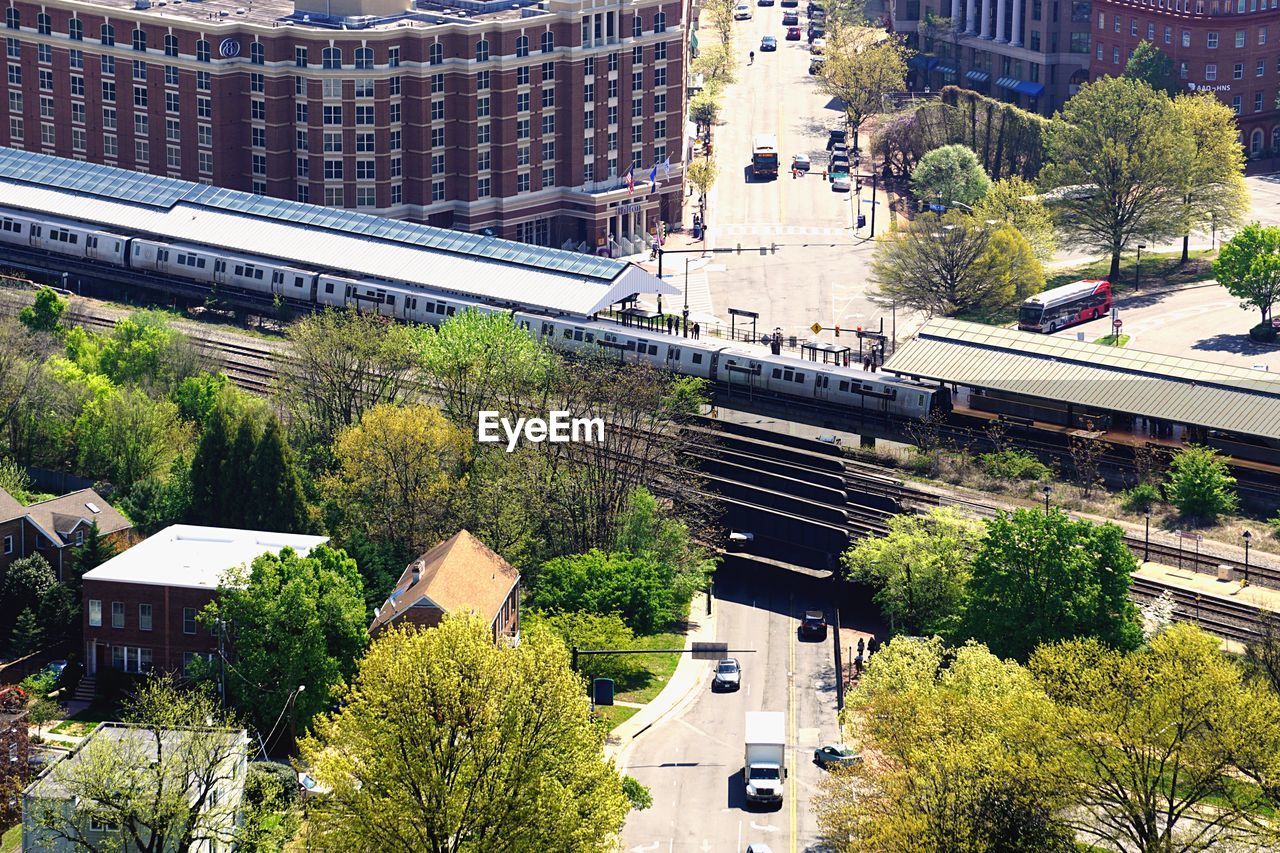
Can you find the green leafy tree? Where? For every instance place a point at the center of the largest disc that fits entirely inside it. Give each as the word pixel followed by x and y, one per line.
pixel 1248 266
pixel 1042 578
pixel 43 711
pixel 637 794
pixel 1214 192
pixel 1016 202
pixel 718 62
pixel 920 570
pixel 1199 483
pixel 97 549
pixel 271 816
pixel 958 754
pixel 199 397
pixel 646 529
pixel 59 614
pixel 127 436
pixel 166 788
pixel 293 622
pixel 14 480
pixel 720 14
pixel 701 173
pixel 45 314
pixel 483 361
pixel 1119 150
pixel 948 175
pixel 450 743
pixel 862 67
pixel 23 585
pixel 1174 749
pixel 1011 260
pixel 1151 65
pixel 160 500
pixel 238 505
pixel 591 631
pixel 27 636
pixel 704 109
pixel 636 588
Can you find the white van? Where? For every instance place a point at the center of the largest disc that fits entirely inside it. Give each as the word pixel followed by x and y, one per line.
pixel 742 12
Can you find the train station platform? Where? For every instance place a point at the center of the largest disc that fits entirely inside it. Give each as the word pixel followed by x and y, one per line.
pixel 1199 583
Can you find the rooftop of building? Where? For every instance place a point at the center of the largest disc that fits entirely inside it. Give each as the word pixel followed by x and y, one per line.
pixel 322 14
pixel 1101 378
pixel 326 239
pixel 196 557
pixel 461 573
pixel 59 518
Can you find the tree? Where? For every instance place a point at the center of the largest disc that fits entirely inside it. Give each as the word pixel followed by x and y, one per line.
pixel 344 363
pixel 59 613
pixel 45 314
pixel 1119 154
pixel 126 436
pixel 483 361
pixel 293 622
pixel 23 585
pixel 1087 453
pixel 636 588
pixel 1165 740
pixel 271 815
pixel 920 570
pixel 720 14
pixel 27 636
pixel 275 499
pixel 591 631
pixel 14 480
pixel 210 489
pixel 1248 266
pixel 43 711
pixel 702 174
pixel 400 473
pixel 862 67
pixel 1214 192
pixel 1042 578
pixel 704 109
pixel 1151 65
pixel 953 264
pixel 25 389
pixel 958 754
pixel 450 743
pixel 646 529
pixel 1015 202
pixel 1199 483
pixel 948 175
pixel 163 786
pixel 97 549
pixel 718 63
pixel 239 459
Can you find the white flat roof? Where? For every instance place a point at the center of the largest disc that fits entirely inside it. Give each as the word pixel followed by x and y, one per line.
pixel 190 556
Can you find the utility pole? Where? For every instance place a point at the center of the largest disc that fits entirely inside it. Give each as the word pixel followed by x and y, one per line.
pixel 874 203
pixel 685 312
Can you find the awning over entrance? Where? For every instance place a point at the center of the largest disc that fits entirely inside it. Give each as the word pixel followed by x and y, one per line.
pixel 947 69
pixel 920 62
pixel 977 76
pixel 1031 90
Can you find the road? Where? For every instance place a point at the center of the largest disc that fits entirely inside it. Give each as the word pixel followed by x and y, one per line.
pixel 819 272
pixel 691 760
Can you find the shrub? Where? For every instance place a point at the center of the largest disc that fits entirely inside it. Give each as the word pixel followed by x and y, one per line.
pixel 1274 524
pixel 1014 465
pixel 39 683
pixel 1199 483
pixel 1140 497
pixel 1264 332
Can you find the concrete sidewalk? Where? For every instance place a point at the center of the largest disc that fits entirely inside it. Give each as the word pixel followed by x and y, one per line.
pixel 688 678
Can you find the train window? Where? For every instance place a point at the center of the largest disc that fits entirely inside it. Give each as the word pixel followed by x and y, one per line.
pixel 200 263
pixel 866 387
pixel 590 337
pixel 10 225
pixel 450 311
pixel 391 300
pixel 117 246
pixel 137 250
pixel 239 269
pixel 921 401
pixel 257 274
pixel 568 334
pixel 653 349
pixel 777 373
pixel 697 358
pixel 577 334
pixel 800 377
pixel 297 281
pixel 328 287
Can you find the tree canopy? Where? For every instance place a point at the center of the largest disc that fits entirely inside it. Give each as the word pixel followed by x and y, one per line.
pixel 862 66
pixel 450 743
pixel 1214 192
pixel 637 588
pixel 1046 577
pixel 1199 483
pixel 1248 266
pixel 1119 156
pixel 948 175
pixel 1015 202
pixel 45 314
pixel 1152 66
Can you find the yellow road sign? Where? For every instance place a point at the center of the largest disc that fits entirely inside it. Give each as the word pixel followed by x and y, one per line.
pixel 816 327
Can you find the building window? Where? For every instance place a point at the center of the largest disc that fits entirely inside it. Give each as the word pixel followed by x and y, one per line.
pixel 142 150
pixel 140 40
pixel 173 131
pixel 300 57
pixel 1257 102
pixel 304 167
pixel 522 46
pixel 1261 68
pixel 108 118
pixel 437 190
pixel 331 88
pixel 188 620
pixel 332 114
pixel 393 85
pixel 366 196
pixel 436 55
pixel 117 614
pixel 46 108
pixel 46 80
pixel 300 113
pixel 44 53
pixel 258 110
pixel 588 146
pixel 202 51
pixel 144 617
pixel 331 58
pixel 482 51
pixel 364 114
pixel 483 161
pixel 548 151
pixel 660 22
pixel 1239 38
pixel 333 170
pixel 206 162
pixel 613 89
pixel 257 136
pixel 204 107
pixel 393 141
pixel 522 102
pixel 364 88
pixel 522 128
pixel 95 605
pixel 257 83
pixel 364 58
pixel 522 153
pixel 8 545
pixel 396 167
pixel 1186 38
pixel 637 134
pixel 203 81
pixel 1168 35
pixel 1183 70
pixel 397 194
pixel 482 188
pixel 660 50
pixel 1211 71
pixel 522 182
pixel 483 134
pixel 522 75
pixel 637 81
pixel 393 114
pixel 139 70
pixel 1212 40
pixel 78 114
pixel 548 72
pixel 364 142
pixel 75 58
pixel 482 81
pixel 365 170
pixel 140 96
pixel 1133 26
pixel 75 29
pixel 1237 71
pixel 549 42
pixel 548 176
pixel 15 75
pixel 437 164
pixel 108 65
pixel 107 34
pixel 1262 35
pixel 393 57
pixel 1237 104
pixel 333 196
pixel 660 76
pixel 548 98
pixel 108 91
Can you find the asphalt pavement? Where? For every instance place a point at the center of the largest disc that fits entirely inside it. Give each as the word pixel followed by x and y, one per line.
pixel 691 760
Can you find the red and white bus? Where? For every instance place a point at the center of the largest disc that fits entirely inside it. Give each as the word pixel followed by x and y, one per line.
pixel 1065 306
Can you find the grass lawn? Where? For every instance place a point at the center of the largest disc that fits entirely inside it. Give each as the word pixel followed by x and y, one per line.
pixel 648 683
pixel 1112 341
pixel 1159 270
pixel 615 715
pixel 82 723
pixel 11 839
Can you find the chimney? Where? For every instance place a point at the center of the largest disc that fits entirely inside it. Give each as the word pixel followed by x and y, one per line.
pixel 416 576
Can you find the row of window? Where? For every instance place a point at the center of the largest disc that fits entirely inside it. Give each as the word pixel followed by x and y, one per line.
pixel 189 616
pixel 1212 39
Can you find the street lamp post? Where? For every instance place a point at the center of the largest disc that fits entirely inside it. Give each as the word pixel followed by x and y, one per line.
pixel 1047 491
pixel 1247 536
pixel 1146 537
pixel 1137 269
pixel 685 312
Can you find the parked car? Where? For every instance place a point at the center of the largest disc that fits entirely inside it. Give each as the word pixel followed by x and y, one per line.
pixel 742 12
pixel 817 29
pixel 790 4
pixel 818 16
pixel 768 43
pixel 835 138
pixel 835 755
pixel 764 2
pixel 790 19
pixel 817 46
pixel 814 624
pixel 728 675
pixel 801 162
pixel 839 183
pixel 815 65
pixel 56 667
pixel 815 7
pixel 793 34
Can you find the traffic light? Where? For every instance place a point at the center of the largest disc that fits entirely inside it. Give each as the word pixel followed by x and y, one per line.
pixel 739 248
pixel 773 249
pixel 837 331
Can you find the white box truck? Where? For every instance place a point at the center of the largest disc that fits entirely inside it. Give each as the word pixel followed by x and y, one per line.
pixel 765 765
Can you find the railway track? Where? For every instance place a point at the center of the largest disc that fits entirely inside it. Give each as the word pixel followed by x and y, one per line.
pixel 1232 620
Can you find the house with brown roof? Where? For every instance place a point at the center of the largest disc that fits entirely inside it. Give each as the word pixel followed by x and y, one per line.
pixel 461 573
pixel 51 527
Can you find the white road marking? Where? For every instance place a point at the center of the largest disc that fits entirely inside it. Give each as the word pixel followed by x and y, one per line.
pixel 739 847
pixel 643 848
pixel 768 827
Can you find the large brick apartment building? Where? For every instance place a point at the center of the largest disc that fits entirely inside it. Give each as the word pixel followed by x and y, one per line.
pixel 518 116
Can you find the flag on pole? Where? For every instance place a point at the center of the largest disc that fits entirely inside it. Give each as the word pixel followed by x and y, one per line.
pixel 653 177
pixel 631 180
pixel 666 167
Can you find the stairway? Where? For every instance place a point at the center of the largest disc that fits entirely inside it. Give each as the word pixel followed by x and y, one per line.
pixel 86 689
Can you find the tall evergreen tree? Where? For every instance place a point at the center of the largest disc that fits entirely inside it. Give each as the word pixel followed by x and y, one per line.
pixel 236 494
pixel 276 501
pixel 97 549
pixel 207 502
pixel 26 633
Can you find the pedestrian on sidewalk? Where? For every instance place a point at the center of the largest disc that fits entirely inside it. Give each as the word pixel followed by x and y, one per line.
pixel 873 645
pixel 862 645
pixel 697 330
pixel 668 325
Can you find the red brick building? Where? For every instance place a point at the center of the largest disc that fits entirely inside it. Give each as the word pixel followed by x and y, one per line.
pixel 141 606
pixel 1228 47
pixel 461 573
pixel 52 528
pixel 522 117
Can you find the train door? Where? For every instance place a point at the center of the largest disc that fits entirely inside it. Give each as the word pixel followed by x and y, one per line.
pixel 220 271
pixel 673 358
pixel 715 366
pixel 821 387
pixel 277 283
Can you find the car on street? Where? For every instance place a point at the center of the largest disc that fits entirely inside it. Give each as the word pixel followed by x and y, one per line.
pixel 835 755
pixel 839 162
pixel 815 65
pixel 768 43
pixel 836 137
pixel 815 7
pixel 816 30
pixel 742 12
pixel 764 2
pixel 817 46
pixel 818 16
pixel 840 183
pixel 801 162
pixel 728 675
pixel 793 34
pixel 814 625
pixel 790 19
pixel 790 4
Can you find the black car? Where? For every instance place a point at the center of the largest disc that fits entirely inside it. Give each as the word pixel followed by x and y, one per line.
pixel 817 29
pixel 815 7
pixel 764 2
pixel 790 19
pixel 768 43
pixel 813 626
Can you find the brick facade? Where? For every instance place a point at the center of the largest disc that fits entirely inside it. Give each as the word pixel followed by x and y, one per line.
pixel 473 123
pixel 164 646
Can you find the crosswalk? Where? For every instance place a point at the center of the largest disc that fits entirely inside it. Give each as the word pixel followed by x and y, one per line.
pixel 700 307
pixel 776 230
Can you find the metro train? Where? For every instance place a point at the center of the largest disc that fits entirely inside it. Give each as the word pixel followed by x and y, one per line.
pixel 736 365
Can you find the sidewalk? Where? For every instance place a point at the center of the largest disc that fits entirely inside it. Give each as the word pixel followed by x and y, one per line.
pixel 688 677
